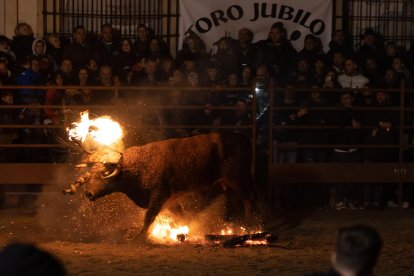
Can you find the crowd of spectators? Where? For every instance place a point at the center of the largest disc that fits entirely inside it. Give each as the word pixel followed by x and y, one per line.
pixel 271 66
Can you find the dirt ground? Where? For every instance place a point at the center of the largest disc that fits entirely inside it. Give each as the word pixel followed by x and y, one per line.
pixel 92 239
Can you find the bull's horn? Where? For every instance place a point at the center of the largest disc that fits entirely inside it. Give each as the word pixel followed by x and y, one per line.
pixel 115 172
pixel 72 189
pixel 82 165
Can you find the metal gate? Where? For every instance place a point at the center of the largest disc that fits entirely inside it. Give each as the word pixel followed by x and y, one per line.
pixel 61 16
pixel 393 19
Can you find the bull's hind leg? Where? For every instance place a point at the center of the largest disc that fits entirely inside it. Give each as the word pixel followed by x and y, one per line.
pixel 236 173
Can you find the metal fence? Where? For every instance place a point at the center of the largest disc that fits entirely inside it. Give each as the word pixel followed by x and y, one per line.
pixel 161 16
pixel 393 19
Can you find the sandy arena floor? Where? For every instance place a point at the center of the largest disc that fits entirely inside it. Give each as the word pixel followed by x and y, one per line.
pixel 92 239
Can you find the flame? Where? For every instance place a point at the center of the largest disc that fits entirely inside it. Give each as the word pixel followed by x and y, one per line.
pixel 102 130
pixel 166 230
pixel 256 242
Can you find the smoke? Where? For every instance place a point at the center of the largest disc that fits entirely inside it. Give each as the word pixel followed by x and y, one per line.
pixel 113 218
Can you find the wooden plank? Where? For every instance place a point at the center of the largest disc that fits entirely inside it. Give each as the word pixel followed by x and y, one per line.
pixel 34 173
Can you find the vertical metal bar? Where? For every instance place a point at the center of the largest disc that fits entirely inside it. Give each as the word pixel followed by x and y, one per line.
pixel 177 21
pixel 139 12
pixel 130 18
pixel 401 139
pixel 111 14
pixel 82 13
pixel 254 128
pixel 73 14
pixel 169 24
pixel 54 17
pixel 45 15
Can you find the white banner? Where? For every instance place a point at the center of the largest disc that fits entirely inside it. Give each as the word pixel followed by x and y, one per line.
pixel 212 20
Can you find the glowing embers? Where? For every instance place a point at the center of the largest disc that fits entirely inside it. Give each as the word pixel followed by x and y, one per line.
pixel 102 130
pixel 165 230
pixel 241 237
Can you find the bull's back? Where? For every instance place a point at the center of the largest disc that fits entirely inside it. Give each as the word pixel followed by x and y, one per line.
pixel 188 163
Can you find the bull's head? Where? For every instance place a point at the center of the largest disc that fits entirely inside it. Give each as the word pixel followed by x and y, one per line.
pixel 99 181
pixel 102 180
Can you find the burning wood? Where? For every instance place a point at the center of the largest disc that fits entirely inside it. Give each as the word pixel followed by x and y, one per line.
pixel 231 241
pixel 165 230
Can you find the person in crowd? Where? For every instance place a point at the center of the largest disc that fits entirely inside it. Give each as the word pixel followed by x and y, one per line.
pixel 30 76
pixel 106 46
pixel 318 71
pixel 54 49
pixel 22 41
pixel 391 80
pixel 371 70
pixel 352 77
pixel 348 133
pixel 246 76
pixel 381 125
pixel 151 76
pixel 104 97
pixel 6 76
pixel 32 116
pixel 226 56
pixel 315 117
pixel 38 47
pixel 28 259
pixel 93 69
pixel 9 135
pixel 244 48
pixel 125 59
pixel 340 43
pixel 403 73
pixel 338 62
pixel 357 250
pixel 303 69
pixel 392 50
pixel 189 64
pixel 156 49
pixel 167 67
pixel 332 86
pixel 240 116
pixel 142 40
pixel 230 97
pixel 372 45
pixel 55 95
pixel 277 53
pixel 6 53
pixel 194 47
pixel 177 116
pixel 312 48
pixel 80 50
pixel 213 78
pixel 68 73
pixel 286 117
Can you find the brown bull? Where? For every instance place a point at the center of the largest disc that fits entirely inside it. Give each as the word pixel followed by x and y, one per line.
pixel 158 172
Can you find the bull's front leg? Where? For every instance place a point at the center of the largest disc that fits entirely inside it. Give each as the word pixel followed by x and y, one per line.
pixel 157 201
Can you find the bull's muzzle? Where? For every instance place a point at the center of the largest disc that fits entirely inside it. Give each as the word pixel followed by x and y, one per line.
pixel 91 196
